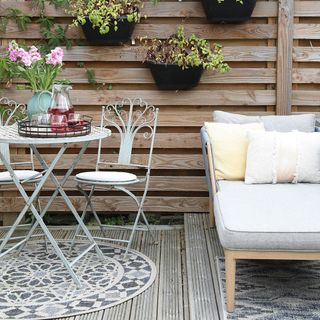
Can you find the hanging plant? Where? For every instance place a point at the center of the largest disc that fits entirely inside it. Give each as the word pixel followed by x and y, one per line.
pixel 231 11
pixel 178 62
pixel 103 22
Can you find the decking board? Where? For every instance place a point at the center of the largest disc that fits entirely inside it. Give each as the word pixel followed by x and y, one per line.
pixel 202 299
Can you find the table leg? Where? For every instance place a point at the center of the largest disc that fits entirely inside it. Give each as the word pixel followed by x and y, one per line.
pixel 35 212
pixel 63 181
pixel 66 198
pixel 28 200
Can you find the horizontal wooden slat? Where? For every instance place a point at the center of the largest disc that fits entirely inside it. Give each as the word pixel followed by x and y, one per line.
pixel 307 8
pixel 160 161
pixel 306 75
pixel 182 116
pixel 165 140
pixel 137 53
pixel 143 76
pixel 157 183
pixel 161 10
pixel 159 98
pixel 306 31
pixel 305 98
pixel 306 54
pixel 216 32
pixel 107 204
pixel 128 53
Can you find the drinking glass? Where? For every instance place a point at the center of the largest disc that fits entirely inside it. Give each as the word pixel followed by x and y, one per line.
pixel 40 119
pixel 44 119
pixel 75 121
pixel 58 122
pixel 35 119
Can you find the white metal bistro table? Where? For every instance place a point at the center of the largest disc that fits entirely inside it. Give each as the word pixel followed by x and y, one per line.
pixel 9 134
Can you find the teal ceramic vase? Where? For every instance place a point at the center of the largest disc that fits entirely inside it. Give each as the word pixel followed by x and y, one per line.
pixel 39 103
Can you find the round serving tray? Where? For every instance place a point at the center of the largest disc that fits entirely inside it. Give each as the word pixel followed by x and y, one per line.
pixel 28 129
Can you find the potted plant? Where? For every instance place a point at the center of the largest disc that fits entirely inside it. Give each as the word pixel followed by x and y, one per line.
pixel 178 62
pixel 106 22
pixel 231 11
pixel 40 71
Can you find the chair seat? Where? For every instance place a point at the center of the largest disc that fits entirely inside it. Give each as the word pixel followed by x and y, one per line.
pixel 21 174
pixel 268 216
pixel 107 176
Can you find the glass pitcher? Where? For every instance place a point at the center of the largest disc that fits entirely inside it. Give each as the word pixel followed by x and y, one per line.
pixel 61 103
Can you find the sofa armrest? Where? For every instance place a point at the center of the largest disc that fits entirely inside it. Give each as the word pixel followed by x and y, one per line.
pixel 207 154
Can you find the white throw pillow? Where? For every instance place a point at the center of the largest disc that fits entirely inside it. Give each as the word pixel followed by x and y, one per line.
pixel 279 157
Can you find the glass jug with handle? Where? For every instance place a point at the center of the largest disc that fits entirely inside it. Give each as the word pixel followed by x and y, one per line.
pixel 61 103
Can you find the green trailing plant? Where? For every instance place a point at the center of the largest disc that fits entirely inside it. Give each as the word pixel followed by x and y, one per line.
pixel 54 35
pixel 15 15
pixel 91 76
pixel 187 52
pixel 104 15
pixel 40 4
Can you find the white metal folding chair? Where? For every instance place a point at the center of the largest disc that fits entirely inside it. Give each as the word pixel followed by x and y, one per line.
pixel 10 113
pixel 128 117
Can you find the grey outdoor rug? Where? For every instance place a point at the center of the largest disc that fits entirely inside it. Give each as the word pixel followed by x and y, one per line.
pixel 274 290
pixel 35 285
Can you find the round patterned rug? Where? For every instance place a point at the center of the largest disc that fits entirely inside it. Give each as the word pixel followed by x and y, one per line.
pixel 35 284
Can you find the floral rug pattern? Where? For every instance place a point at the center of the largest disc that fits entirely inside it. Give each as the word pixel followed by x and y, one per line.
pixel 35 285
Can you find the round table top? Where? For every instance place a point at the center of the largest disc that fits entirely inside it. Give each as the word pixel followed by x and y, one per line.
pixel 9 134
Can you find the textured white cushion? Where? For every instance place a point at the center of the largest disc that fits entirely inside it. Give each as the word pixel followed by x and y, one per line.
pixel 107 176
pixel 21 174
pixel 283 157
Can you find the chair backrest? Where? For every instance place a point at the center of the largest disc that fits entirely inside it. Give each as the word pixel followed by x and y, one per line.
pixel 130 117
pixel 10 112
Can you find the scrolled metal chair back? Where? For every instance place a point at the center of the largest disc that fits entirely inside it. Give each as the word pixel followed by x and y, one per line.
pixel 129 117
pixel 10 112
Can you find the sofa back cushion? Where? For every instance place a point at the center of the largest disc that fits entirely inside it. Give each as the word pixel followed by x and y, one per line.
pixel 278 157
pixel 230 144
pixel 303 122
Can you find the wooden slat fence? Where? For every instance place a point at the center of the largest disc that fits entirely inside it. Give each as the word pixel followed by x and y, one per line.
pixel 256 50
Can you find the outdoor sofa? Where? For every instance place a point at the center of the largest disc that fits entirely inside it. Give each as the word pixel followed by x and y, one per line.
pixel 262 221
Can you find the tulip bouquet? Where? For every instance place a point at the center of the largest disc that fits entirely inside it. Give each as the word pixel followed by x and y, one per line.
pixel 40 71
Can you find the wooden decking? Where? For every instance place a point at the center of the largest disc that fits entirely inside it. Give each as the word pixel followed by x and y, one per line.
pixel 186 285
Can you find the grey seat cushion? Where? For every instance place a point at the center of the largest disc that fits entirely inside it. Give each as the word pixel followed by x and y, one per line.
pixel 268 217
pixel 302 122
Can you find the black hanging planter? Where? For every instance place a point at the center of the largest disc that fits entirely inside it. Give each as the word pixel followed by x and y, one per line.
pixel 173 77
pixel 229 11
pixel 123 34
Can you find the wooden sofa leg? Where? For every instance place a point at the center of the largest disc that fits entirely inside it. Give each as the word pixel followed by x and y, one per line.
pixel 230 267
pixel 211 213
